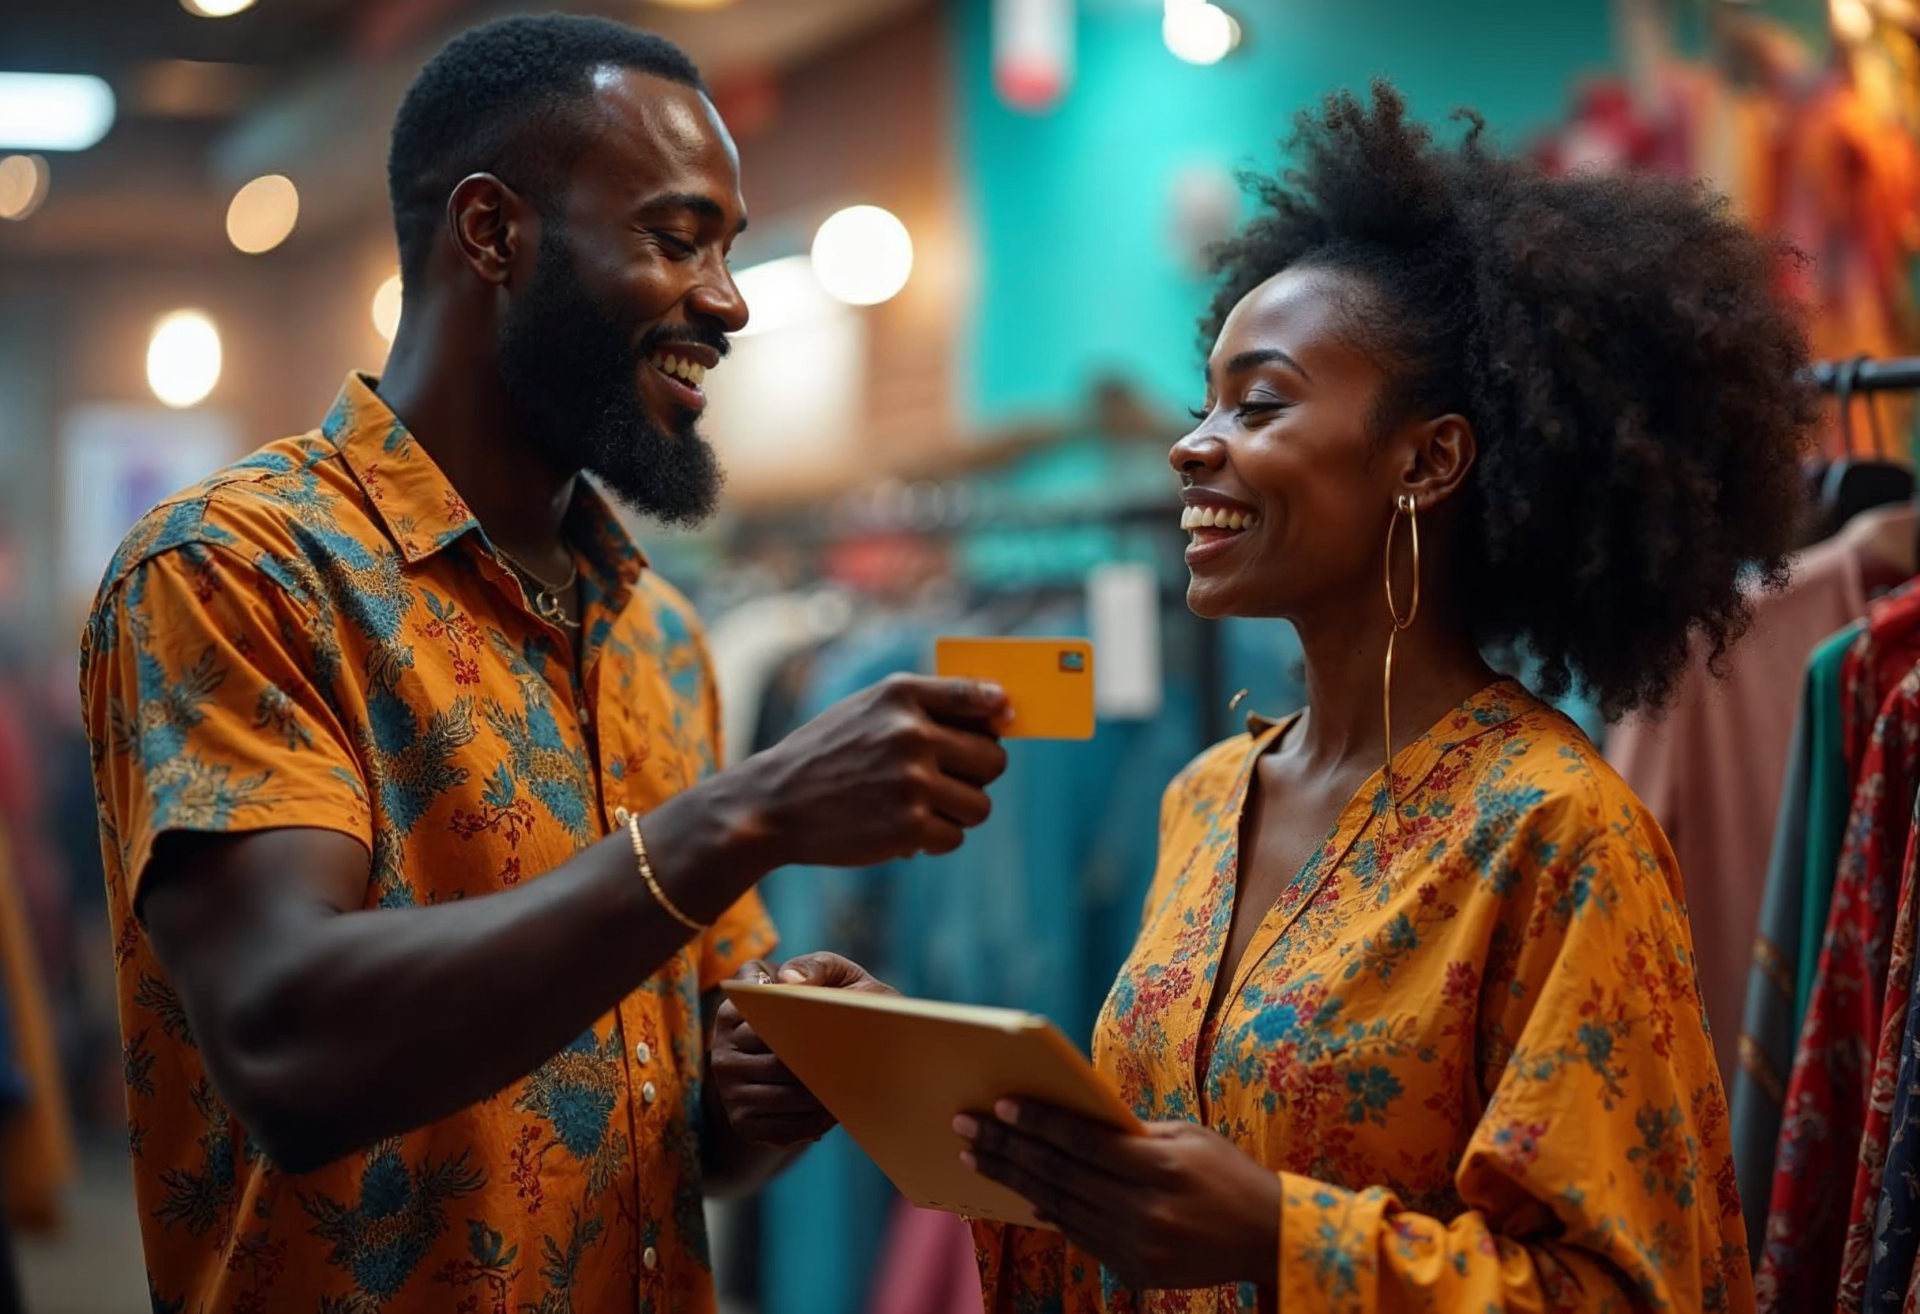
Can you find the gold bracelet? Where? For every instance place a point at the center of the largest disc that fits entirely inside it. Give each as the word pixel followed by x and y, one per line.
pixel 653 882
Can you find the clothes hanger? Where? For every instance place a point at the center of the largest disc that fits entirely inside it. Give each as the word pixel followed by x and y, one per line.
pixel 1851 485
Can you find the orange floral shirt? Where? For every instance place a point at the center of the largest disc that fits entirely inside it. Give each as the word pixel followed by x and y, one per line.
pixel 1469 1042
pixel 321 635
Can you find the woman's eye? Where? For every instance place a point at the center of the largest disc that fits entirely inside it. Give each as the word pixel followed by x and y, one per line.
pixel 1248 410
pixel 1197 412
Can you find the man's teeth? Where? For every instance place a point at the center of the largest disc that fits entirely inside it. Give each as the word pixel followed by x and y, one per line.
pixel 681 368
pixel 1214 517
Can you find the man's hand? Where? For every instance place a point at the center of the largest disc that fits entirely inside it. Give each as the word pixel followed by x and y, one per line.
pixel 763 1100
pixel 1178 1208
pixel 895 770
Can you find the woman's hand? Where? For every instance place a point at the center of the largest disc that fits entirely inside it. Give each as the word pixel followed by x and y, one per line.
pixel 763 1100
pixel 1177 1208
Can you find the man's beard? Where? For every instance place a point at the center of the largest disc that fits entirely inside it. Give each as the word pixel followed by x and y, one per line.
pixel 569 364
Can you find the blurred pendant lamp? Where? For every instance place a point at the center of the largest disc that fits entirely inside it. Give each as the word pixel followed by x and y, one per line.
pixel 1032 52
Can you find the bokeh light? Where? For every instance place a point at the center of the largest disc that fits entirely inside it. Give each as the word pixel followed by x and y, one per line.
pixel 862 255
pixel 216 8
pixel 1199 33
pixel 183 358
pixel 23 186
pixel 263 213
pixel 386 308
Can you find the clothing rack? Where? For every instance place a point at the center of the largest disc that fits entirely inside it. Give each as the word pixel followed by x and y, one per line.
pixel 1894 374
pixel 945 510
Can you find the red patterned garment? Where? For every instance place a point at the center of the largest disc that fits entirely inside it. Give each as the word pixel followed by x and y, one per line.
pixel 1879 660
pixel 1826 1105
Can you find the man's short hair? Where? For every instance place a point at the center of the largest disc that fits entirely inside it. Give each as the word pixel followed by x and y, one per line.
pixel 504 99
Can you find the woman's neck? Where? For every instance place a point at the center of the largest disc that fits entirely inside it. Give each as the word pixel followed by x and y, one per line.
pixel 1436 667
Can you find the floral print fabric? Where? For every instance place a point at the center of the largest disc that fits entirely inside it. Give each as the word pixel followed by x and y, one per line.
pixel 1825 1117
pixel 1468 1038
pixel 322 636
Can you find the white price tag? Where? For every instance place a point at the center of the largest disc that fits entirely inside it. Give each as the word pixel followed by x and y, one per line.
pixel 1123 611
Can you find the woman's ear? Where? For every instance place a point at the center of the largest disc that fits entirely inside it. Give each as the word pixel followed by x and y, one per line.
pixel 1439 455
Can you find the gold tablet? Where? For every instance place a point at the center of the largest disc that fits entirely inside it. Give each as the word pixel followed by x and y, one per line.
pixel 896 1071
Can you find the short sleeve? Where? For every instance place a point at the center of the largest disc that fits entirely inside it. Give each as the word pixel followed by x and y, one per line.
pixel 203 711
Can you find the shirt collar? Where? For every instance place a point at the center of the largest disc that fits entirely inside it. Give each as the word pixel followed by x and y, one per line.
pixel 1500 702
pixel 421 510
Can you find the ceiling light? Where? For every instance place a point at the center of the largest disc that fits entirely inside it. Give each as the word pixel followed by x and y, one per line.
pixel 1852 19
pixel 263 213
pixel 780 294
pixel 1199 33
pixel 215 8
pixel 23 185
pixel 386 308
pixel 54 111
pixel 862 255
pixel 183 358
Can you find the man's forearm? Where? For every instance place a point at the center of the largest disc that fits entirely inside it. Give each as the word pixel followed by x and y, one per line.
pixel 369 1023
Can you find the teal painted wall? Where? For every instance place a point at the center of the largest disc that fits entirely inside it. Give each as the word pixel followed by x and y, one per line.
pixel 1071 210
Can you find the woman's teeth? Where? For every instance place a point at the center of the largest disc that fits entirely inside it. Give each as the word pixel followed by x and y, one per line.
pixel 679 367
pixel 1215 517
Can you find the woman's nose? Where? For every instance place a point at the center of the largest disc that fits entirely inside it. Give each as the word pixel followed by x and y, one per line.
pixel 1198 453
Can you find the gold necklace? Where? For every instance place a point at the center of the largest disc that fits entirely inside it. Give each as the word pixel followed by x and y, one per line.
pixel 546 599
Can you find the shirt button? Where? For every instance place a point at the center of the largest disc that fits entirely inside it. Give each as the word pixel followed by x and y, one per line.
pixel 648 1094
pixel 581 712
pixel 642 1053
pixel 620 816
pixel 651 1259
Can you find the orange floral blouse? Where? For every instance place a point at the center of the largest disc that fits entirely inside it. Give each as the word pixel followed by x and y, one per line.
pixel 1468 1039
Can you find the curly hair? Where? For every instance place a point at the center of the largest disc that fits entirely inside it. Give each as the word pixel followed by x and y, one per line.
pixel 1636 388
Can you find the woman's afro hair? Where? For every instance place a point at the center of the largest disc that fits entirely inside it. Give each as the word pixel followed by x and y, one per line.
pixel 1636 387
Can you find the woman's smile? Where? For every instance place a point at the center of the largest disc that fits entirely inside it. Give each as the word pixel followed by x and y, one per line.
pixel 1215 524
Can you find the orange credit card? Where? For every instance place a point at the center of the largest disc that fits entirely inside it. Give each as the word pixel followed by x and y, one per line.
pixel 1049 682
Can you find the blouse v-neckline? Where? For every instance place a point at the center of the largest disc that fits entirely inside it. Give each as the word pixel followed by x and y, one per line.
pixel 1493 705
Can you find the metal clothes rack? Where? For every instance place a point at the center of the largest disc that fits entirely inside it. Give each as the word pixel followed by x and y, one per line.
pixel 1894 374
pixel 946 510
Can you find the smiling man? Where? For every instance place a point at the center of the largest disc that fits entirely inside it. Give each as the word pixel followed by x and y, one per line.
pixel 423 880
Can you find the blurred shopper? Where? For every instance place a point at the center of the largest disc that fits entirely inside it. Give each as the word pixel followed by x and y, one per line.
pixel 420 869
pixel 1425 1033
pixel 37 1154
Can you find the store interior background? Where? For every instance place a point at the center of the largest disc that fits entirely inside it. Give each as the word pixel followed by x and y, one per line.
pixel 996 427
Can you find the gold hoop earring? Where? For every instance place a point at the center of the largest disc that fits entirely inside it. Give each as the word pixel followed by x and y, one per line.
pixel 1403 505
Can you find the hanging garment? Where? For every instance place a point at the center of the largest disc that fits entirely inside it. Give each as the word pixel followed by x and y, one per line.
pixel 927 1266
pixel 36 1141
pixel 1767 1029
pixel 1887 652
pixel 1848 680
pixel 1869 1230
pixel 1825 1107
pixel 1839 744
pixel 1036 911
pixel 1711 769
pixel 1469 1043
pixel 752 641
pixel 1896 1215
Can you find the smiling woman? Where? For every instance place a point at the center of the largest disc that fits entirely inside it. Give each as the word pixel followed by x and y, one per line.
pixel 1425 1033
